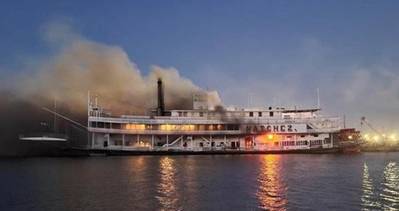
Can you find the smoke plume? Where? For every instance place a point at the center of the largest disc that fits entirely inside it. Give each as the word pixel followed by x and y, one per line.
pixel 77 66
pixel 106 71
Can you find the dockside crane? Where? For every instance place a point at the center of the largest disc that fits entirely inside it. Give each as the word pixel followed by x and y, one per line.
pixel 363 121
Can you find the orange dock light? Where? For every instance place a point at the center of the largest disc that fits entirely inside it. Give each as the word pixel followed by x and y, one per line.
pixel 270 136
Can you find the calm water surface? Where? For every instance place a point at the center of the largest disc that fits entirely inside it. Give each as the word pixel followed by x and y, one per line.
pixel 220 182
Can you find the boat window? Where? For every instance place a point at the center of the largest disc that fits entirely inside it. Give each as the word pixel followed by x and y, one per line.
pixel 251 114
pixel 271 113
pixel 201 114
pixel 116 126
pixel 100 124
pixel 107 125
pixel 260 114
pixel 316 135
pixel 233 127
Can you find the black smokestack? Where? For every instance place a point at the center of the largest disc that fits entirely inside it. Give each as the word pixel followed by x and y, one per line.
pixel 161 102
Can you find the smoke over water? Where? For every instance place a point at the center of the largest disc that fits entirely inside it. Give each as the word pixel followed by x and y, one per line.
pixel 106 71
pixel 78 66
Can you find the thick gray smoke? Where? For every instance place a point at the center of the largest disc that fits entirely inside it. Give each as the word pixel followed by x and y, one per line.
pixel 78 66
pixel 106 71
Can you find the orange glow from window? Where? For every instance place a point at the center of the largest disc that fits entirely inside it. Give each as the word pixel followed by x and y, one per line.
pixel 135 127
pixel 264 138
pixel 166 127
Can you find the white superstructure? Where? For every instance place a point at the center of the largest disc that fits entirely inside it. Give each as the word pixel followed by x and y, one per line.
pixel 205 128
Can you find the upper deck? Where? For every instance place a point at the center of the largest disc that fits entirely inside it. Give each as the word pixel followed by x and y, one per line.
pixel 228 121
pixel 208 118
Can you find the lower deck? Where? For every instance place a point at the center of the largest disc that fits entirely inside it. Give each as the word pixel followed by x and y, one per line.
pixel 198 143
pixel 119 152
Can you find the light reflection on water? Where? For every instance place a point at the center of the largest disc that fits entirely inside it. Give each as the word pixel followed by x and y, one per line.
pixel 168 196
pixel 368 181
pixel 272 190
pixel 390 185
pixel 369 198
pixel 386 197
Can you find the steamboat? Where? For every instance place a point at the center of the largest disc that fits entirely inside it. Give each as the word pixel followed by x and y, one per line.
pixel 211 129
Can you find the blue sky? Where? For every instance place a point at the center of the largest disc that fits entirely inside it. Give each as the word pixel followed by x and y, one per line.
pixel 275 51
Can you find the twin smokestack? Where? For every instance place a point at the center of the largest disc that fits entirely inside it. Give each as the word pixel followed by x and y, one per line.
pixel 161 101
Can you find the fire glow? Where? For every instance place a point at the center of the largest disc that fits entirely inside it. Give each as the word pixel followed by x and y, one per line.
pixel 267 137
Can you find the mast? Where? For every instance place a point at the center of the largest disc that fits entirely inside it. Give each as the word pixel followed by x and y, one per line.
pixel 88 107
pixel 318 98
pixel 88 116
pixel 55 116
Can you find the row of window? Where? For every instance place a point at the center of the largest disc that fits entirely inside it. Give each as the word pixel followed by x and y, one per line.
pixel 288 143
pixel 299 143
pixel 201 114
pixel 304 143
pixel 260 114
pixel 319 142
pixel 166 127
pixel 315 142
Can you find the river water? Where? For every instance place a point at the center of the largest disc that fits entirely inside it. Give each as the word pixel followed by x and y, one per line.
pixel 368 181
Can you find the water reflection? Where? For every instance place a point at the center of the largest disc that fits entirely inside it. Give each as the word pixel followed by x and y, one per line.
pixel 137 165
pixel 390 187
pixel 387 197
pixel 369 197
pixel 272 191
pixel 167 193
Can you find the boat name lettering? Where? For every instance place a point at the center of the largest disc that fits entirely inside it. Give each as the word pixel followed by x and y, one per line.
pixel 288 128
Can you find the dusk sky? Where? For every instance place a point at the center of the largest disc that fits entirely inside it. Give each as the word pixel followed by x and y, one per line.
pixel 277 52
